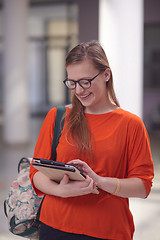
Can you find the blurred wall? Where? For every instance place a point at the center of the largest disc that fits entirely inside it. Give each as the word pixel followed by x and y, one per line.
pixel 15 80
pixel 88 17
pixel 121 33
pixel 117 24
pixel 151 100
pixel 151 11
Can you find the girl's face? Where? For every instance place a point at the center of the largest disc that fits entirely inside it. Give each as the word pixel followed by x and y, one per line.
pixel 94 98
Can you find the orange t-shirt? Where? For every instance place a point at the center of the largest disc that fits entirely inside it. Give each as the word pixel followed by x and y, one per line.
pixel 121 149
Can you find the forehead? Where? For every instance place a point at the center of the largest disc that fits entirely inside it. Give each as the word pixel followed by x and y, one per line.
pixel 84 69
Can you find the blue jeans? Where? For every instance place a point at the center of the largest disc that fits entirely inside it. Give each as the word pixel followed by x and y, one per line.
pixel 49 233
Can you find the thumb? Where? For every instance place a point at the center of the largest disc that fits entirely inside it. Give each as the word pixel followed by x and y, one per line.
pixel 65 179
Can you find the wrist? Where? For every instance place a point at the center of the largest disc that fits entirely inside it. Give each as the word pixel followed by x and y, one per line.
pixel 110 185
pixel 100 181
pixel 117 188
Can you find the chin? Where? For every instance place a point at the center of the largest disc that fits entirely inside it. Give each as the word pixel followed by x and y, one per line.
pixel 86 103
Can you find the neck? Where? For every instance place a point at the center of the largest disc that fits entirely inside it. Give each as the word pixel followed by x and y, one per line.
pixel 109 107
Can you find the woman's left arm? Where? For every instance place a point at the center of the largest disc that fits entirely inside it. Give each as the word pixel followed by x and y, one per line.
pixel 127 187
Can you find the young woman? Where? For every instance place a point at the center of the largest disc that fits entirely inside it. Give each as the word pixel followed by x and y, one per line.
pixel 110 145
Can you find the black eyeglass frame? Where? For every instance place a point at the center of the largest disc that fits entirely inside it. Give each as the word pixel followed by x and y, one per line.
pixel 78 81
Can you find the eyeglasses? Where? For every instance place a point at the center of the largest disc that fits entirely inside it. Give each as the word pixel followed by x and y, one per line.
pixel 84 83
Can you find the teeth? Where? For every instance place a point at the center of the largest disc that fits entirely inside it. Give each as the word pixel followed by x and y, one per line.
pixel 85 96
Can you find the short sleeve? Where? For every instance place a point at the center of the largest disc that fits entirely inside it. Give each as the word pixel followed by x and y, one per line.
pixel 140 163
pixel 43 146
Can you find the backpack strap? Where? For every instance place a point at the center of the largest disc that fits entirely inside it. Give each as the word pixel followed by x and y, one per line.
pixel 59 122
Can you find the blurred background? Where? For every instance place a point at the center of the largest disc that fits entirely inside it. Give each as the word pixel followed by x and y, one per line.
pixel 35 36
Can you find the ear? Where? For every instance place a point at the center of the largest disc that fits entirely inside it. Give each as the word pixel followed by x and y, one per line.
pixel 107 74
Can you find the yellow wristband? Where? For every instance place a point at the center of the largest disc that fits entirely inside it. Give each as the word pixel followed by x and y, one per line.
pixel 118 187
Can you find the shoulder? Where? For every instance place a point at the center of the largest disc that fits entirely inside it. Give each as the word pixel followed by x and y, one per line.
pixel 52 112
pixel 133 123
pixel 130 117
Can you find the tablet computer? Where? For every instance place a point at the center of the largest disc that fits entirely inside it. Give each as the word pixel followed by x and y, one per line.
pixel 56 170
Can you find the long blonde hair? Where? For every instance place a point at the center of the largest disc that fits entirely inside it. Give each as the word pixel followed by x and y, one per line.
pixel 76 120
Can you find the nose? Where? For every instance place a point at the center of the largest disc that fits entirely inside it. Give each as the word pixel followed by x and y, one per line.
pixel 78 89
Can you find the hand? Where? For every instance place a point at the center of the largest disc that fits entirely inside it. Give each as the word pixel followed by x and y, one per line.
pixel 68 188
pixel 85 169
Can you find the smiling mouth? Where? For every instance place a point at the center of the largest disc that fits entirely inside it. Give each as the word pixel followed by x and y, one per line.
pixel 84 96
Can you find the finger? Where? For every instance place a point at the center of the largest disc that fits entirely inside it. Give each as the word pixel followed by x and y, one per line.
pixel 76 161
pixel 95 190
pixel 88 179
pixel 82 184
pixel 92 186
pixel 65 179
pixel 88 183
pixel 95 185
pixel 76 164
pixel 87 187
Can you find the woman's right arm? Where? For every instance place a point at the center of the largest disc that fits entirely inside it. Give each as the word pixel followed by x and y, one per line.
pixel 65 188
pixel 44 184
pixel 41 183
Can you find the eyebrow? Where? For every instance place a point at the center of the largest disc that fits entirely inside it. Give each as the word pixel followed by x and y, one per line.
pixel 84 78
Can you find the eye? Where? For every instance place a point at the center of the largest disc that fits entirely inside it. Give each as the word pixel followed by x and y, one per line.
pixel 70 83
pixel 84 82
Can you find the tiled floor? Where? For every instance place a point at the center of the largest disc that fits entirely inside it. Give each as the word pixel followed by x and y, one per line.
pixel 146 212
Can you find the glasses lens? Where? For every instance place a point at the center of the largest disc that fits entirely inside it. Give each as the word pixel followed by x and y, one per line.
pixel 70 84
pixel 84 83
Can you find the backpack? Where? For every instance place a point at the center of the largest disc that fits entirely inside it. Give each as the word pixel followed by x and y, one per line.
pixel 22 206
